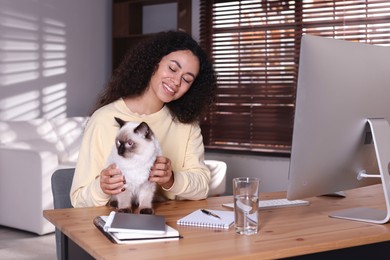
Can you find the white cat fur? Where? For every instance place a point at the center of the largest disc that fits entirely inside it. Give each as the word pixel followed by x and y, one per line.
pixel 135 168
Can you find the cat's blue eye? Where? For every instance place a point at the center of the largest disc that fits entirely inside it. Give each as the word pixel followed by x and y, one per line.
pixel 130 143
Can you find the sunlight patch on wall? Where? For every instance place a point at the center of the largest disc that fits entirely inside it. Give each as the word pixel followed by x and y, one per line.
pixel 32 56
pixel 16 43
pixel 20 107
pixel 19 58
pixel 54 38
pixel 18 20
pixel 54 100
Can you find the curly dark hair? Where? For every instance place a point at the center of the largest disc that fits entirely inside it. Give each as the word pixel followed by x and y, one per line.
pixel 133 75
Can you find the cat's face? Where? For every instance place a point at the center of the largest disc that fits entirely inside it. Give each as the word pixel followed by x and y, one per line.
pixel 133 138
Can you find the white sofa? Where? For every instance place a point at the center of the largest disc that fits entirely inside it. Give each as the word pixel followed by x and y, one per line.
pixel 30 151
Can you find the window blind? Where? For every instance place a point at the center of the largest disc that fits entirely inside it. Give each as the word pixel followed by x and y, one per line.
pixel 254 46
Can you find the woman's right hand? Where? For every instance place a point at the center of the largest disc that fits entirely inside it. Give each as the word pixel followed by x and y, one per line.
pixel 111 180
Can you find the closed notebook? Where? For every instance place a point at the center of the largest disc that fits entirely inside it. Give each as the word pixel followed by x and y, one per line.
pixel 136 237
pixel 127 222
pixel 200 219
pixel 169 233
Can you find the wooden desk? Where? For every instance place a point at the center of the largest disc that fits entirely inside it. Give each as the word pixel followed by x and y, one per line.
pixel 284 232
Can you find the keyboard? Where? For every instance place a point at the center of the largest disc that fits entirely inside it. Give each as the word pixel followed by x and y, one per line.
pixel 275 203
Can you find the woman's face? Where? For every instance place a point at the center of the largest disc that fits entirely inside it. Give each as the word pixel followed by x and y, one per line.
pixel 174 76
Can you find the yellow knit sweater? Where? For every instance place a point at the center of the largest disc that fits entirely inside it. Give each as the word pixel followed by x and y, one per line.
pixel 181 143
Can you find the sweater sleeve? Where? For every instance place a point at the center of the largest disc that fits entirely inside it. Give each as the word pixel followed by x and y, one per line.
pixel 192 177
pixel 86 191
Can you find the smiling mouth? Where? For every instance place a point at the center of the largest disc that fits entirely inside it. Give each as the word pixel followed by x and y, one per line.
pixel 169 89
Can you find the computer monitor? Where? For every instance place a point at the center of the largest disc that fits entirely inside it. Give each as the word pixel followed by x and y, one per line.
pixel 341 135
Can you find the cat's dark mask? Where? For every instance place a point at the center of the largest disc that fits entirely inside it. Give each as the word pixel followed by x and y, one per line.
pixel 142 129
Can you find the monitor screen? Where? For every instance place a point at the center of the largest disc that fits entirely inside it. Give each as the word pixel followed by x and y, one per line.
pixel 343 90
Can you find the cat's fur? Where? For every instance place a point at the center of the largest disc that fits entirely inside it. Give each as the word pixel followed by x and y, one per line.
pixel 134 153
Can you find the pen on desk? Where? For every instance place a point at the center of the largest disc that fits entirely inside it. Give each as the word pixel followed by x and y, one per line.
pixel 205 211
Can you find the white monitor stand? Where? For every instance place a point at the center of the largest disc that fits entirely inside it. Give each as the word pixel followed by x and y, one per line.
pixel 380 130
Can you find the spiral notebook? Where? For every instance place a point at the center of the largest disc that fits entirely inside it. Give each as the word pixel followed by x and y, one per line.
pixel 200 219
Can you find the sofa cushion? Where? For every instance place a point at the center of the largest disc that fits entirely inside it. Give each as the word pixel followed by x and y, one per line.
pixel 70 134
pixel 18 131
pixel 60 135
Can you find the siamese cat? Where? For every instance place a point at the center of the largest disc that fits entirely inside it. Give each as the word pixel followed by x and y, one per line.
pixel 134 153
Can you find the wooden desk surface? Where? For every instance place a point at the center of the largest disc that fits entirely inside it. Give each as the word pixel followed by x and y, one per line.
pixel 284 232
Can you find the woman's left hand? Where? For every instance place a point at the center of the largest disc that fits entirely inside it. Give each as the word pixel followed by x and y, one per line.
pixel 161 172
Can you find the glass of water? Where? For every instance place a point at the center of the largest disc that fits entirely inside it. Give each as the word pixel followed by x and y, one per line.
pixel 246 204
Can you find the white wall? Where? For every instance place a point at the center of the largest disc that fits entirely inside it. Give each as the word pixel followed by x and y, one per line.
pixel 55 56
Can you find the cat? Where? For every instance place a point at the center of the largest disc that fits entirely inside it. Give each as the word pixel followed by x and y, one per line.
pixel 134 153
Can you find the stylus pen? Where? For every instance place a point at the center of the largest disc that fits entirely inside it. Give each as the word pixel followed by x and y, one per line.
pixel 205 211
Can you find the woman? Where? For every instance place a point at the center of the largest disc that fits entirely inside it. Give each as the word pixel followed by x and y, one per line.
pixel 167 82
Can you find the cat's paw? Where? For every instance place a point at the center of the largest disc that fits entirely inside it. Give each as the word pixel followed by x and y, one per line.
pixel 125 210
pixel 148 211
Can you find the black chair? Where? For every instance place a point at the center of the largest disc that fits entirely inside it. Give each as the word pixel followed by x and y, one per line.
pixel 61 182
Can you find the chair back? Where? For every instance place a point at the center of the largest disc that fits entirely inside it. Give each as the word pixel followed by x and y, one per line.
pixel 61 182
pixel 217 185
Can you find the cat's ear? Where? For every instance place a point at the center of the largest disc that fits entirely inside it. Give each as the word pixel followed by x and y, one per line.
pixel 144 130
pixel 120 121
